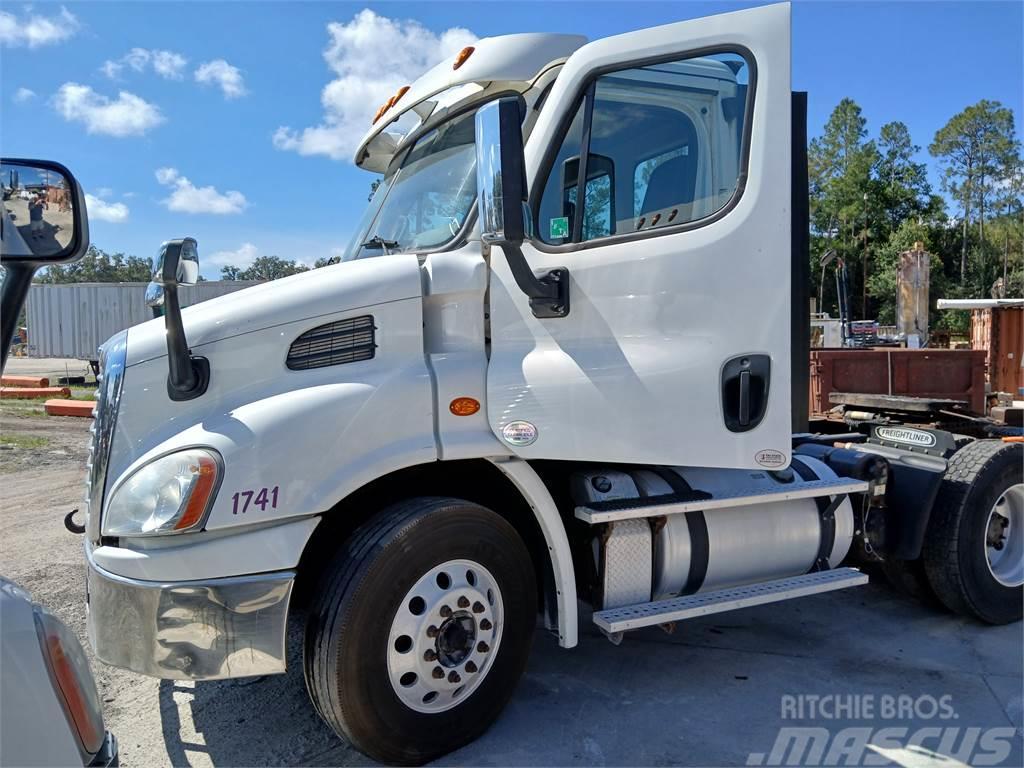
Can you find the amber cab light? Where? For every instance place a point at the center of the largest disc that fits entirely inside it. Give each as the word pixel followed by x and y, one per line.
pixel 464 54
pixel 464 406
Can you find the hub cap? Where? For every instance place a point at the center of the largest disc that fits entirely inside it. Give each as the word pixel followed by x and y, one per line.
pixel 1004 537
pixel 444 636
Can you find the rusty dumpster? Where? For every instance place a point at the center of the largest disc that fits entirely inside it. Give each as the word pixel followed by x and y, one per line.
pixel 953 374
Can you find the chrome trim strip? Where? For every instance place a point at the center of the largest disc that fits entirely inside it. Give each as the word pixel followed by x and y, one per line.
pixel 190 630
pixel 113 355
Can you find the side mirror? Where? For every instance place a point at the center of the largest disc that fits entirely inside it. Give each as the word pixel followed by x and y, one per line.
pixel 42 221
pixel 501 200
pixel 176 264
pixel 501 172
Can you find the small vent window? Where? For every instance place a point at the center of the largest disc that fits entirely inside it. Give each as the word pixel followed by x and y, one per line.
pixel 344 341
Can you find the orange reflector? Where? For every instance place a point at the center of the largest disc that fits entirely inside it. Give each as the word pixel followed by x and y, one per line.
pixel 464 54
pixel 197 500
pixel 401 92
pixel 380 113
pixel 464 406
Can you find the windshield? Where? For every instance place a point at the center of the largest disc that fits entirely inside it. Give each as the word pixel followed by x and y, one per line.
pixel 425 198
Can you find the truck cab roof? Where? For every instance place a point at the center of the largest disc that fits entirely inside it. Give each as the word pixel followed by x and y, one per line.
pixel 495 63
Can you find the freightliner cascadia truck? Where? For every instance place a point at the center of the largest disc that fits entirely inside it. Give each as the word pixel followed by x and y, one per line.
pixel 560 371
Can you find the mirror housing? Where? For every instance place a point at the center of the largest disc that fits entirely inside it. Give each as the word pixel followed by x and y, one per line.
pixel 42 221
pixel 502 208
pixel 177 263
pixel 43 218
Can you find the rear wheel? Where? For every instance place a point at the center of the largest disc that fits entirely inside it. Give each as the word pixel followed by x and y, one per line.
pixel 974 549
pixel 421 629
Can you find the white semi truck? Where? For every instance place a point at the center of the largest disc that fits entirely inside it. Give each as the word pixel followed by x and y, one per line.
pixel 562 362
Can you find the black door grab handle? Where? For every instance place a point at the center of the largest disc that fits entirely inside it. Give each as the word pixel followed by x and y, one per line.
pixel 744 409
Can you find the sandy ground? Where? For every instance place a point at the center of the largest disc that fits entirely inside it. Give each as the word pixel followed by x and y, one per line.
pixel 712 694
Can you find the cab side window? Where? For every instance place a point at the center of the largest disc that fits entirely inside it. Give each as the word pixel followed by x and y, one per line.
pixel 659 146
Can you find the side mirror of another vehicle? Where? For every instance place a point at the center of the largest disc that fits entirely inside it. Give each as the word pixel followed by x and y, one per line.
pixel 42 221
pixel 501 199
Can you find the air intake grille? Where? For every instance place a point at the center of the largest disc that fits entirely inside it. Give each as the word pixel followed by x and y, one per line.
pixel 344 341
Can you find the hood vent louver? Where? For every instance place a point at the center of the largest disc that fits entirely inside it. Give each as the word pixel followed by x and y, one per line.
pixel 343 341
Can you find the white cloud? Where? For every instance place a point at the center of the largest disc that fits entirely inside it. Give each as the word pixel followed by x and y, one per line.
pixel 33 29
pixel 228 78
pixel 104 192
pixel 127 115
pixel 242 257
pixel 168 64
pixel 23 94
pixel 372 57
pixel 115 213
pixel 187 198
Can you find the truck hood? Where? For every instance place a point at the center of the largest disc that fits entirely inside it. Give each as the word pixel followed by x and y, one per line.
pixel 324 291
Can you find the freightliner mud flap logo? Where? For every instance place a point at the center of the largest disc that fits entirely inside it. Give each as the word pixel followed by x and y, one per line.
pixel 907 435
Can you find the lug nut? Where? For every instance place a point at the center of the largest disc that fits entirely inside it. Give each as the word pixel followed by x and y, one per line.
pixel 430 655
pixel 485 624
pixel 463 602
pixel 438 673
pixel 470 667
pixel 478 607
pixel 431 631
pixel 445 611
pixel 483 647
pixel 453 677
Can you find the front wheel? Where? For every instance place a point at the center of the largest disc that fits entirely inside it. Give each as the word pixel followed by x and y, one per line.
pixel 421 629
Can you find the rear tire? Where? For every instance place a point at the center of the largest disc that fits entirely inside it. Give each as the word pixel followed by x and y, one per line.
pixel 429 585
pixel 967 572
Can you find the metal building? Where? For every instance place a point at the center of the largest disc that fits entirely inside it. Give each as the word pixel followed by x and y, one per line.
pixel 72 320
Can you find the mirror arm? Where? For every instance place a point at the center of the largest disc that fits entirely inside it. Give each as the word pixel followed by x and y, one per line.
pixel 188 376
pixel 549 293
pixel 17 281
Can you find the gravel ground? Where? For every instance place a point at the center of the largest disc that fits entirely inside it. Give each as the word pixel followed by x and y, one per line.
pixel 712 693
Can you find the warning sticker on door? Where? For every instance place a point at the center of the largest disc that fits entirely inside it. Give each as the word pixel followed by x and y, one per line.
pixel 770 458
pixel 559 227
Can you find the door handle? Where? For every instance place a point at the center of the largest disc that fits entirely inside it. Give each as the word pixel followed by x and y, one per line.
pixel 744 409
pixel 745 383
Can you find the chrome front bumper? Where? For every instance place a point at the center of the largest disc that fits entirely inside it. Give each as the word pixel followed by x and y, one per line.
pixel 190 630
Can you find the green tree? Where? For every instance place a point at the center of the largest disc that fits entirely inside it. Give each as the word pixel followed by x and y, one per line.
pixel 977 150
pixel 98 266
pixel 264 268
pixel 840 164
pixel 902 183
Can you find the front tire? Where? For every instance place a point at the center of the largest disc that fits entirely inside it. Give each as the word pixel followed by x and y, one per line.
pixel 974 549
pixel 429 586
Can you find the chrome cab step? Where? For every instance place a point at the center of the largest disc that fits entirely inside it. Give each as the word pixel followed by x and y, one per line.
pixel 615 620
pixel 630 509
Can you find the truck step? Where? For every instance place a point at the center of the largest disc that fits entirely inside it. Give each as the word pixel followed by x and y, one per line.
pixel 616 620
pixel 629 509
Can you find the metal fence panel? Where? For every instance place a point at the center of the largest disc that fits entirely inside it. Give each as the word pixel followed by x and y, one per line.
pixel 72 320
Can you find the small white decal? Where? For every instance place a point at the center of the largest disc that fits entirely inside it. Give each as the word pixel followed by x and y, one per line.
pixel 519 433
pixel 906 435
pixel 770 458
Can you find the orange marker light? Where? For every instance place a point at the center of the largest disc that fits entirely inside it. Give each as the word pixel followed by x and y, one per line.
pixel 464 54
pixel 464 406
pixel 401 92
pixel 200 495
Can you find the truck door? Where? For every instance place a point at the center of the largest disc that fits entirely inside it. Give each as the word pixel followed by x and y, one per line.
pixel 659 173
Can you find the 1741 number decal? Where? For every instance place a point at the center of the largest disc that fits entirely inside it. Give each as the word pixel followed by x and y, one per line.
pixel 262 498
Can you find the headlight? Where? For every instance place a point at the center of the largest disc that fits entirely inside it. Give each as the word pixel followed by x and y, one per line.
pixel 169 495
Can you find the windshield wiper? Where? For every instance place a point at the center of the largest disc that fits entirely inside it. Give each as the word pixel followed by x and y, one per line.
pixel 379 243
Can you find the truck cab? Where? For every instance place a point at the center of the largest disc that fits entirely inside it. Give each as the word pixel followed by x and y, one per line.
pixel 555 364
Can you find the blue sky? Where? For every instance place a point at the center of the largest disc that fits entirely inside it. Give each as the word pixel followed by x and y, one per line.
pixel 233 122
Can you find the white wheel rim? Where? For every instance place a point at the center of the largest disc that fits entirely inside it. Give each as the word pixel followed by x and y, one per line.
pixel 1004 537
pixel 444 636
